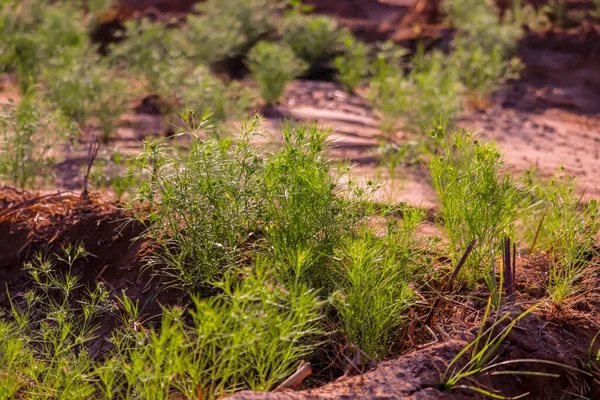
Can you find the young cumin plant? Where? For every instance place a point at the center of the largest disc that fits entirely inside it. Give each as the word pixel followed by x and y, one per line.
pixel 533 205
pixel 484 46
pixel 373 280
pixel 432 88
pixel 481 56
pixel 44 351
pixel 273 65
pixel 83 86
pixel 42 43
pixel 34 32
pixel 204 200
pixel 213 201
pixel 148 51
pixel 477 197
pixel 568 233
pixel 354 65
pixel 480 21
pixel 29 136
pixel 307 205
pixel 389 89
pixel 437 86
pixel 252 336
pixel 315 39
pixel 200 90
pixel 232 27
pixel 480 68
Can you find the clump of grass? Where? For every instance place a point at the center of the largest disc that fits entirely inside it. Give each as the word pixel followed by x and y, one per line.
pixel 478 198
pixel 272 66
pixel 314 38
pixel 204 200
pixel 29 136
pixel 252 21
pixel 221 194
pixel 166 60
pixel 483 357
pixel 260 241
pixel 308 210
pixel 432 88
pixel 556 221
pixel 436 87
pixel 201 90
pixel 223 204
pixel 213 35
pixel 481 68
pixel 354 64
pixel 388 88
pixel 35 31
pixel 39 42
pixel 568 232
pixel 82 85
pixel 373 285
pixel 153 52
pixel 481 56
pixel 485 43
pixel 481 21
pixel 533 195
pixel 43 347
pixel 250 337
pixel 150 52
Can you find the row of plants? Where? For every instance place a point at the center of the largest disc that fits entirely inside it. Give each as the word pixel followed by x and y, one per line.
pixel 276 251
pixel 62 76
pixel 47 45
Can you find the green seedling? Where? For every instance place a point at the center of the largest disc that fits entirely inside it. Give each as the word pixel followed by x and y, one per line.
pixel 273 66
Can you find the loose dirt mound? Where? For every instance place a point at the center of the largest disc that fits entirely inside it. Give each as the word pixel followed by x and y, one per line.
pixel 29 224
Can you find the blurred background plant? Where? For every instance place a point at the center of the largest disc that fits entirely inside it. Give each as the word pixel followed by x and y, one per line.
pixel 30 135
pixel 273 65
